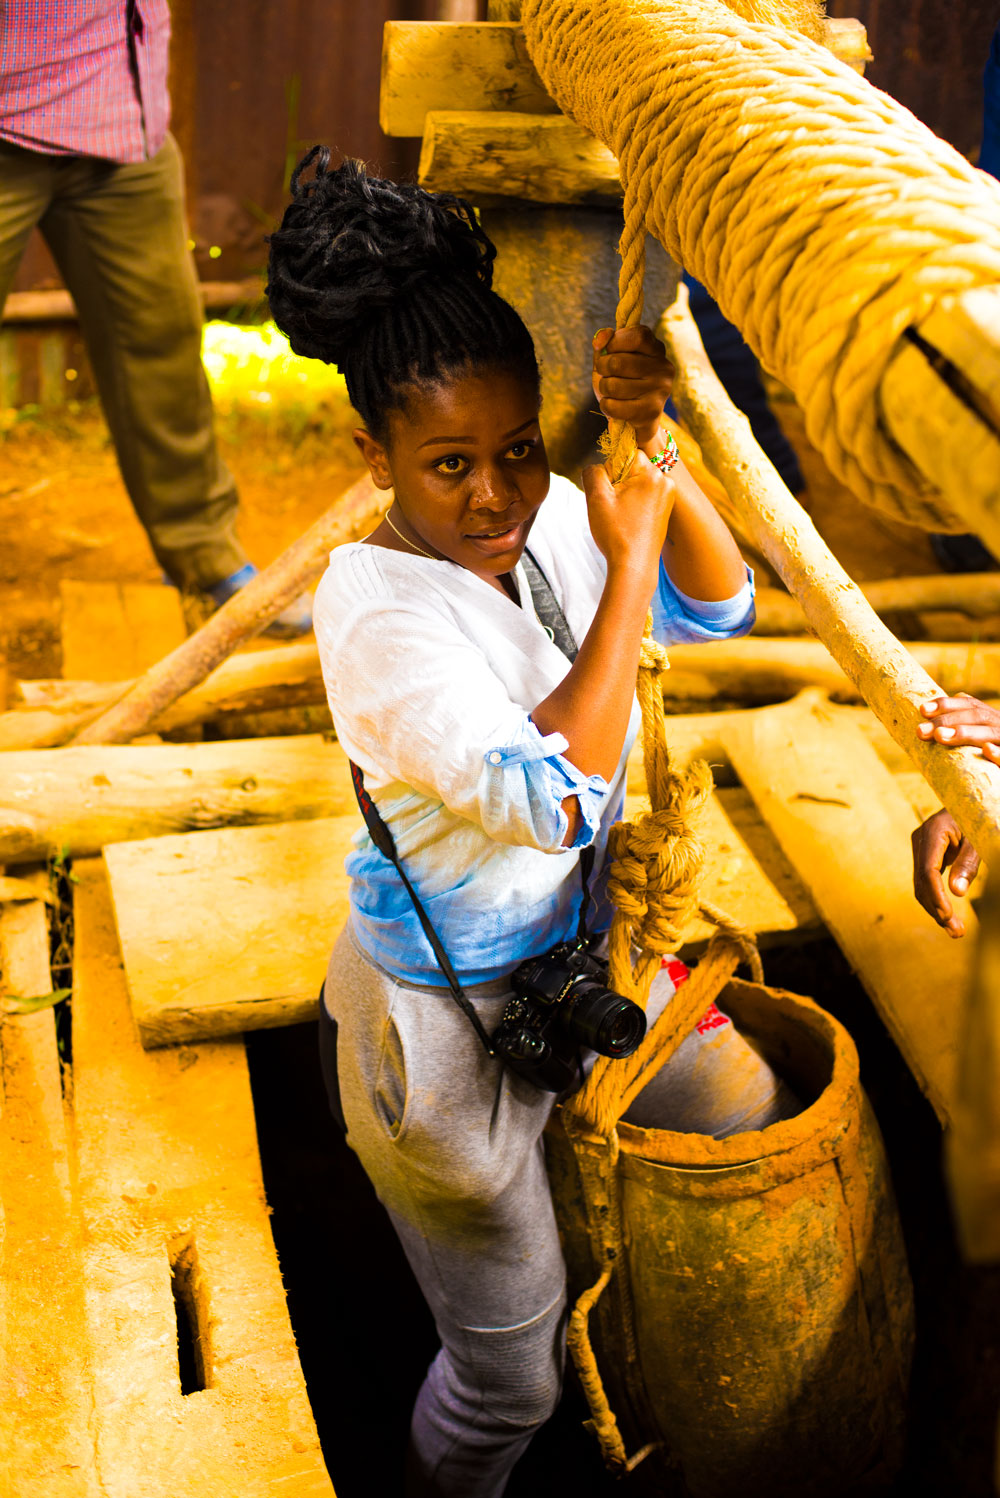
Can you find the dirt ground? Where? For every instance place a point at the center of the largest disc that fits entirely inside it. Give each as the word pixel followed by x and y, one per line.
pixel 65 514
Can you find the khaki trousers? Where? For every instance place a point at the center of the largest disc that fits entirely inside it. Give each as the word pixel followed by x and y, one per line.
pixel 119 237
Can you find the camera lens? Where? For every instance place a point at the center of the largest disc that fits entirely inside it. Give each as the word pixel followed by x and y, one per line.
pixel 605 1021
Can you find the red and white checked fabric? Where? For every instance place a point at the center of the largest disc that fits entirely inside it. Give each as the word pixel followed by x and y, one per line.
pixel 67 85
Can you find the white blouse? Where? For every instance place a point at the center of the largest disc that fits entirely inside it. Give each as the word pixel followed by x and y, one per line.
pixel 431 676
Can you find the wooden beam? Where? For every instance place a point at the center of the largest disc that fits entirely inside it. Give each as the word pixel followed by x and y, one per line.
pixel 974 594
pixel 284 893
pixel 437 65
pixel 255 680
pixel 46 1406
pixel 889 679
pixel 752 670
pixel 447 65
pixel 542 158
pixel 173 1209
pixel 74 801
pixel 58 306
pixel 844 825
pixel 771 670
pixel 973 1142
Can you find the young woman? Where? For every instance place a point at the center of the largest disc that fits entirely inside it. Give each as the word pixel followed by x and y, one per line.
pixel 491 756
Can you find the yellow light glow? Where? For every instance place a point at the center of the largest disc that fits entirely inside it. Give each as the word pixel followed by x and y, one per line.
pixel 214 252
pixel 255 367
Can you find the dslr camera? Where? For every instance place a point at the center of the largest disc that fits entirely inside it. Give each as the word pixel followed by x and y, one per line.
pixel 561 1004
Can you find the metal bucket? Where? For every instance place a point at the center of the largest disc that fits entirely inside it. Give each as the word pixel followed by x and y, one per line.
pixel 757 1326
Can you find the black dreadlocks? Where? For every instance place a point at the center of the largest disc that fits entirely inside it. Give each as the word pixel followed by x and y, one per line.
pixel 392 284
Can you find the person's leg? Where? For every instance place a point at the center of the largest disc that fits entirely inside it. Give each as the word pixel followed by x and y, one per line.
pixel 454 1150
pixel 119 237
pixel 26 184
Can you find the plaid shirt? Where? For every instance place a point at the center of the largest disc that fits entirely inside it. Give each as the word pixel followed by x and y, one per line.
pixel 85 77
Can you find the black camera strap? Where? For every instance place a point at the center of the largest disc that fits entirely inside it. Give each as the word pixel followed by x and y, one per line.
pixel 553 620
pixel 386 845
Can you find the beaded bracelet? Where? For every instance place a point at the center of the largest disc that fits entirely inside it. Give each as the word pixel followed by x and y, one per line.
pixel 667 459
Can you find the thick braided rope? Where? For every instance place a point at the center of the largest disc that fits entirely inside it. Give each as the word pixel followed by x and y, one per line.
pixel 821 215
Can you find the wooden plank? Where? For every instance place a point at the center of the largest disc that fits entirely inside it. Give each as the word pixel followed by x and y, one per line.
pixel 430 65
pixel 75 800
pixel 171 1190
pixel 450 65
pixel 45 1375
pixel 844 825
pixel 116 630
pixel 232 930
pixel 538 157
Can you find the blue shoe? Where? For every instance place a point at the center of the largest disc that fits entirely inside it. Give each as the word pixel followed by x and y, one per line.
pixel 293 621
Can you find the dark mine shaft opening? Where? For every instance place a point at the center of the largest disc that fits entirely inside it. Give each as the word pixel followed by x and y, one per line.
pixel 365 1337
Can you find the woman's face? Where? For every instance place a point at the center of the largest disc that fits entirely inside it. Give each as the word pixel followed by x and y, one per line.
pixel 468 466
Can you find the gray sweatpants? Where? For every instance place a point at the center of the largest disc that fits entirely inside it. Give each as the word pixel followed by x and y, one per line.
pixel 452 1142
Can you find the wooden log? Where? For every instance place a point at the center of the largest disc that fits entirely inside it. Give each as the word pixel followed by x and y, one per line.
pixel 54 712
pixel 173 1209
pixel 762 670
pixel 284 893
pixel 80 799
pixel 973 1142
pixel 844 825
pixel 354 514
pixel 751 671
pixel 58 306
pixel 886 675
pixel 431 65
pixel 975 594
pixel 74 801
pixel 46 1384
pixel 442 65
pixel 543 158
pixel 939 401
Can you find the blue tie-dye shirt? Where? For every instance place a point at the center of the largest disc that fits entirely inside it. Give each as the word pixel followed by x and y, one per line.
pixel 431 676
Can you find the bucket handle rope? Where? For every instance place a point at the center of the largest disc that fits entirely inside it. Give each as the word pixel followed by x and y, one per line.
pixel 655 871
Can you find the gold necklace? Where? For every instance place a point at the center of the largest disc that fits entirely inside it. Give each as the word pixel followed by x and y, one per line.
pixel 412 544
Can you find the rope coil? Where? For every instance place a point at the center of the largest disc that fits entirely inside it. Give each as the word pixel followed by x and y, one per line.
pixel 821 215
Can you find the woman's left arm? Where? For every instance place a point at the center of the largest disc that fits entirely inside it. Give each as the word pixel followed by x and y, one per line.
pixel 632 381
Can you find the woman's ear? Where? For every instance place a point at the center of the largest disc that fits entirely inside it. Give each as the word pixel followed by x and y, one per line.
pixel 375 456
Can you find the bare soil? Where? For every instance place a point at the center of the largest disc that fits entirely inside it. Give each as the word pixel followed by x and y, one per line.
pixel 64 512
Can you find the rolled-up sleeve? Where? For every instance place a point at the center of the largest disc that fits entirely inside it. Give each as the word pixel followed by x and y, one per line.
pixel 678 619
pixel 415 701
pixel 533 775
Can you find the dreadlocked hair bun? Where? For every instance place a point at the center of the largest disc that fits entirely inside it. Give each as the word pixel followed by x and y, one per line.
pixel 389 282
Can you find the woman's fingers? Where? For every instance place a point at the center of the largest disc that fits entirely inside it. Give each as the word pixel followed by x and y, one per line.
pixel 936 844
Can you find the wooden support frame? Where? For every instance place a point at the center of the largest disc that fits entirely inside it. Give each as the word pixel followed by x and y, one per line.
pixel 886 675
pixel 484 65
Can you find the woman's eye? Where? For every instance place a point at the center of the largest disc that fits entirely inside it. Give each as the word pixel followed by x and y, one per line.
pixel 453 463
pixel 520 450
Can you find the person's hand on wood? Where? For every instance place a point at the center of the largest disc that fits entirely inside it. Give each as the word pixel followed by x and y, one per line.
pixel 938 846
pixel 632 381
pixel 962 720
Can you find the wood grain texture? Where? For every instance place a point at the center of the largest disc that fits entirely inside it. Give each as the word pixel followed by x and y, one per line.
pixel 76 800
pixel 231 930
pixel 537 157
pixel 169 1180
pixel 844 825
pixel 448 65
pixel 45 1361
